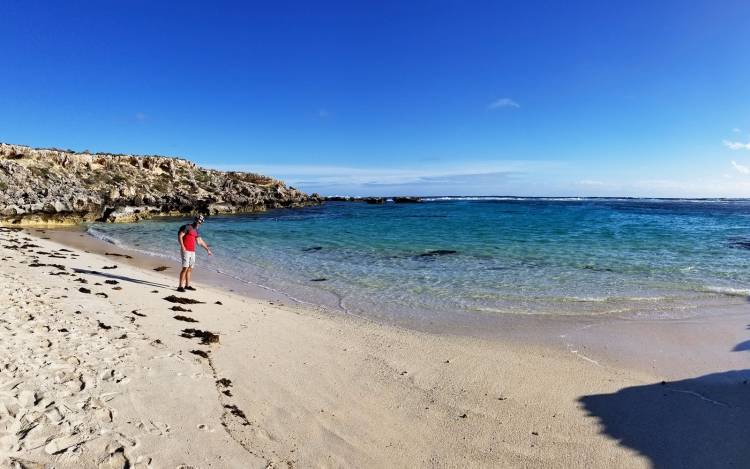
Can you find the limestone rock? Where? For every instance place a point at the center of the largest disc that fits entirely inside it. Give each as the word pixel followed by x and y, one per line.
pixel 61 186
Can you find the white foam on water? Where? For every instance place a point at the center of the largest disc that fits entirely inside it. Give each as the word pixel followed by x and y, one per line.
pixel 94 233
pixel 602 299
pixel 728 291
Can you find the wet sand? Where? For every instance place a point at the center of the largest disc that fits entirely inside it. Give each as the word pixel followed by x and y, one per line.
pixel 669 348
pixel 94 372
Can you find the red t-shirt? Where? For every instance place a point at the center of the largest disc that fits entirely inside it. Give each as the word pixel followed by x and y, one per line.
pixel 191 234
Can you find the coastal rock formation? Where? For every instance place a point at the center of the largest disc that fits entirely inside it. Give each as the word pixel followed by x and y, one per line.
pixel 407 200
pixel 374 200
pixel 62 186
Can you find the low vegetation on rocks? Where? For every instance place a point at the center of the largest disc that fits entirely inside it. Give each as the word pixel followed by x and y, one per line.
pixel 62 186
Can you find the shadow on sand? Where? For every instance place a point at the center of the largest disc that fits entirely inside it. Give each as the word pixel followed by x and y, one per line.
pixel 120 277
pixel 742 346
pixel 701 422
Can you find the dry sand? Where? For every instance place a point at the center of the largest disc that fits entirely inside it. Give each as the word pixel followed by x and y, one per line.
pixel 98 370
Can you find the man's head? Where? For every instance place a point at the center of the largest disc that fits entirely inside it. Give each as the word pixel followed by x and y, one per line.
pixel 198 220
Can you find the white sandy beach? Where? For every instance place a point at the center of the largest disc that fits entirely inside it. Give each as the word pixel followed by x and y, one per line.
pixel 96 371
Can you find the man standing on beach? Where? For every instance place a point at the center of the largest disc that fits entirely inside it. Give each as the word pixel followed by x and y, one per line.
pixel 188 237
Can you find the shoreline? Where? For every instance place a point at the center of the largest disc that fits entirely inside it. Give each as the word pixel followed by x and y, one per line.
pixel 657 345
pixel 291 387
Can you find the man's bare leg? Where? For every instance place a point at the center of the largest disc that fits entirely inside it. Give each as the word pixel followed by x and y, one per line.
pixel 188 275
pixel 183 277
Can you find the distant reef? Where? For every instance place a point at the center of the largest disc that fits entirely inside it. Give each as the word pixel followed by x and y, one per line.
pixel 375 200
pixel 53 186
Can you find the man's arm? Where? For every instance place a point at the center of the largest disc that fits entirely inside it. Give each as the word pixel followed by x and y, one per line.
pixel 205 246
pixel 181 235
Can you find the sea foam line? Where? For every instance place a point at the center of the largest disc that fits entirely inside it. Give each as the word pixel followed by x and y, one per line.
pixel 728 291
pixel 94 233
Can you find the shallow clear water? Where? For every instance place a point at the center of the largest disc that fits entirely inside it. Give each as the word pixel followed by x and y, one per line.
pixel 661 258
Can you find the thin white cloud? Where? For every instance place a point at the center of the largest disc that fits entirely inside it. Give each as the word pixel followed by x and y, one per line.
pixel 741 168
pixel 591 183
pixel 448 181
pixel 736 130
pixel 448 174
pixel 736 145
pixel 503 102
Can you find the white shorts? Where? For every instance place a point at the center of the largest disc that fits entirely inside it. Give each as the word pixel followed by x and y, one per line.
pixel 188 259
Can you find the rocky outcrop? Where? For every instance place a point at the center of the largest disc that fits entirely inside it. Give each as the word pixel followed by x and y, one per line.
pixel 374 200
pixel 407 200
pixel 58 186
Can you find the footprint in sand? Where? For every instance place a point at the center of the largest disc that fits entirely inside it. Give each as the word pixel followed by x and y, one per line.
pixel 154 428
pixel 206 428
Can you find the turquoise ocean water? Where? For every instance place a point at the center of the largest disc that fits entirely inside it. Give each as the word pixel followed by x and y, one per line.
pixel 485 256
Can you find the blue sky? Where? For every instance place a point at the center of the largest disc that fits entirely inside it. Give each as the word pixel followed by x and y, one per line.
pixel 383 98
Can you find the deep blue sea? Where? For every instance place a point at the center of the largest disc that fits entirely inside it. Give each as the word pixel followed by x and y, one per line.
pixel 494 255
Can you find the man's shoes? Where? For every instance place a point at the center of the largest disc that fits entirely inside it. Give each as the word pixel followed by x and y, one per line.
pixel 180 289
pixel 188 287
